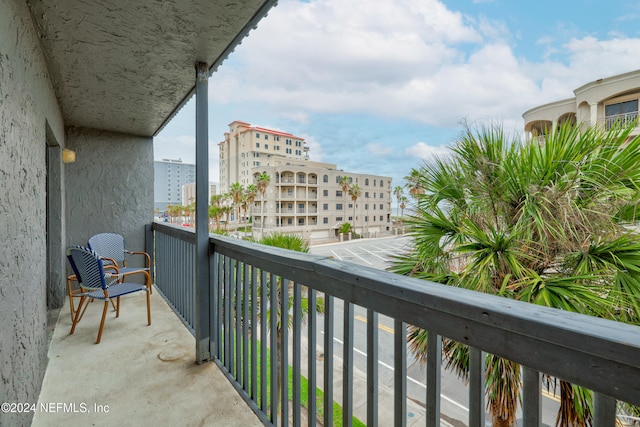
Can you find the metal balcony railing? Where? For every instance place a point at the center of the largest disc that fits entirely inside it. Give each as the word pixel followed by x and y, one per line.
pixel 620 119
pixel 249 282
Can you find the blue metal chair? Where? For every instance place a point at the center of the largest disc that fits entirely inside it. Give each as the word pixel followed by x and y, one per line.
pixel 94 283
pixel 111 248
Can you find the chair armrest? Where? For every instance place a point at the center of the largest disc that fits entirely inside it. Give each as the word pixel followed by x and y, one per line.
pixel 108 261
pixel 146 255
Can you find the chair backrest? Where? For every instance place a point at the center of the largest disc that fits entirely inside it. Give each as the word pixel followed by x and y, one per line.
pixel 87 267
pixel 108 245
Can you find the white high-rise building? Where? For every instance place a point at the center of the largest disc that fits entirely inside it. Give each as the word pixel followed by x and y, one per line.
pixel 303 196
pixel 169 177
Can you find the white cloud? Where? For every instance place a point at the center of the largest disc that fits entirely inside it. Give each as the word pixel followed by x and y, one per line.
pixel 379 149
pixel 427 152
pixel 405 59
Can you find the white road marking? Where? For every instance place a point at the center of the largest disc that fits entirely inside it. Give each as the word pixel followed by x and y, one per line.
pixel 358 256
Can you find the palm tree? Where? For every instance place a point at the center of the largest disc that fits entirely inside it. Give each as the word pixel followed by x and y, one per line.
pixel 249 197
pixel 398 193
pixel 345 183
pixel 547 224
pixel 215 209
pixel 262 182
pixel 402 205
pixel 298 244
pixel 354 191
pixel 414 183
pixel 235 192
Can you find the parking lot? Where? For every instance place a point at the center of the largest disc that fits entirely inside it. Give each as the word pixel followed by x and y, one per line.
pixel 376 253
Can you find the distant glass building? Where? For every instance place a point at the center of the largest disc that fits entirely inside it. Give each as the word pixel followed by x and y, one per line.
pixel 169 178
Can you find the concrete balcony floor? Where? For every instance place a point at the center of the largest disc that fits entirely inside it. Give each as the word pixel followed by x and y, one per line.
pixel 138 375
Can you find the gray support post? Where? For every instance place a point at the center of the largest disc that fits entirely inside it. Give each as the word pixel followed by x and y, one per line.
pixel 531 398
pixel 476 387
pixel 434 360
pixel 604 410
pixel 203 333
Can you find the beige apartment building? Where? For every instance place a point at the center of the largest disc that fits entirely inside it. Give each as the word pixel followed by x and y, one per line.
pixel 602 102
pixel 303 196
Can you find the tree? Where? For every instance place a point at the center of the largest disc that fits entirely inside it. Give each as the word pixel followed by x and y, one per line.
pixel 398 191
pixel 345 183
pixel 414 183
pixel 546 224
pixel 298 244
pixel 262 182
pixel 354 191
pixel 403 201
pixel 235 192
pixel 215 209
pixel 249 197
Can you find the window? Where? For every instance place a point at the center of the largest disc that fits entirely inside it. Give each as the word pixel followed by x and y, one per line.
pixel 257 135
pixel 381 206
pixel 257 145
pixel 325 207
pixel 382 195
pixel 366 181
pixel 266 137
pixel 621 113
pixel 266 146
pixel 325 220
pixel 338 218
pixel 338 206
pixel 366 194
pixel 338 193
pixel 325 193
pixel 325 178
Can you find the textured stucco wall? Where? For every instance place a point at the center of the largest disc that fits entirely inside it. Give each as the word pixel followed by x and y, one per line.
pixel 27 107
pixel 109 187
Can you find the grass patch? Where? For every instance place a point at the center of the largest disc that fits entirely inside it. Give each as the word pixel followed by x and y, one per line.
pixel 304 394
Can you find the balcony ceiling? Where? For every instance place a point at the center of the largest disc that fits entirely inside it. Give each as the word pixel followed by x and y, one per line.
pixel 129 65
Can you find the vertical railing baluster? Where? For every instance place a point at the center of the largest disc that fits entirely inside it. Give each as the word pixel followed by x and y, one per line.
pixel 347 366
pixel 604 410
pixel 215 308
pixel 434 363
pixel 220 313
pixel 264 306
pixel 328 360
pixel 531 398
pixel 311 362
pixel 254 334
pixel 297 352
pixel 245 327
pixel 372 368
pixel 400 374
pixel 284 349
pixel 273 318
pixel 476 388
pixel 237 324
pixel 228 363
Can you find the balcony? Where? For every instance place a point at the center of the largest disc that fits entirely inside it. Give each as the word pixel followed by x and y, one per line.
pixel 596 353
pixel 620 119
pixel 152 367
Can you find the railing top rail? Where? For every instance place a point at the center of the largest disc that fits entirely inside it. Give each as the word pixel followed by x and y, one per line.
pixel 599 354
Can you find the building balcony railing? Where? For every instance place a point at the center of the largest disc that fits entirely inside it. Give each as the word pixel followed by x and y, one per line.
pixel 620 119
pixel 249 282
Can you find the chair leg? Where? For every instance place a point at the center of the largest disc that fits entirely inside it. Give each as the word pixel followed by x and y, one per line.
pixel 85 308
pixel 70 290
pixel 118 307
pixel 77 317
pixel 148 307
pixel 104 316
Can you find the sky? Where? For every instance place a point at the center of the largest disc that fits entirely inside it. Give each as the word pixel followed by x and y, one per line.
pixel 381 86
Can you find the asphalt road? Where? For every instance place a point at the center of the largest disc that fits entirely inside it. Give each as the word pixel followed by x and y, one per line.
pixel 378 254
